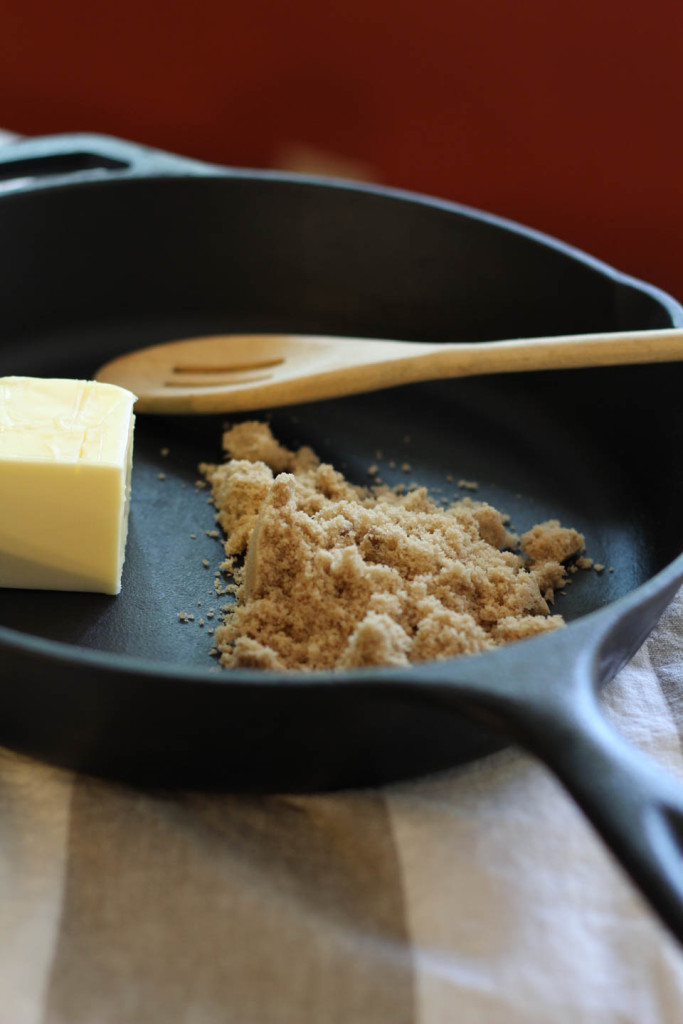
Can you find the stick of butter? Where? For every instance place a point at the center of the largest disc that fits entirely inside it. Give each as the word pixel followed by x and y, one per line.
pixel 66 451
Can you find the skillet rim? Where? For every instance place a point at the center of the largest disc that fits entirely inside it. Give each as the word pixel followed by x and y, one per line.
pixel 139 162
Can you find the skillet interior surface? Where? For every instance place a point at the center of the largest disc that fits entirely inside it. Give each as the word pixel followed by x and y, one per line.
pixel 136 262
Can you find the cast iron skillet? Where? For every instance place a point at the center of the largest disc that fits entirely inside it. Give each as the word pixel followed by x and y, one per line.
pixel 105 246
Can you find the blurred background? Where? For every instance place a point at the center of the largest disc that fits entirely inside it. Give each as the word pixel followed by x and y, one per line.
pixel 565 117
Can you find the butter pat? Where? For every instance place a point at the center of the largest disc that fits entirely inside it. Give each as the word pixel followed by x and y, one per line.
pixel 66 451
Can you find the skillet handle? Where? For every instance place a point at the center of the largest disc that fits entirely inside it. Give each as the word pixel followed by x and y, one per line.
pixel 45 161
pixel 635 805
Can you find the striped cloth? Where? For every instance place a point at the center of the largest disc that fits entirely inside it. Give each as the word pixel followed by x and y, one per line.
pixel 479 895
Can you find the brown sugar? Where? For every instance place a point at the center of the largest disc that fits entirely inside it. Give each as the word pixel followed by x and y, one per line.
pixel 338 575
pixel 551 541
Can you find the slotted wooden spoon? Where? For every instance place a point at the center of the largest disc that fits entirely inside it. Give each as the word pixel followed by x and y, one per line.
pixel 231 373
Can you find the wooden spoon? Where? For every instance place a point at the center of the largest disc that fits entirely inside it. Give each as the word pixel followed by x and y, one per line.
pixel 230 373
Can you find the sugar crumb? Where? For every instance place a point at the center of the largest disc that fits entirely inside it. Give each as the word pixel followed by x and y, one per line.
pixel 550 541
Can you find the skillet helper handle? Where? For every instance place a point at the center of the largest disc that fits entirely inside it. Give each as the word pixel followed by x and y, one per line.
pixel 70 159
pixel 633 803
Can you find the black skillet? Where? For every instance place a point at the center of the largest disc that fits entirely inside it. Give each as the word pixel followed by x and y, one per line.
pixel 106 246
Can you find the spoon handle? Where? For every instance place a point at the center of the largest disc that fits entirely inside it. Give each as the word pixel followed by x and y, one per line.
pixel 551 353
pixel 362 365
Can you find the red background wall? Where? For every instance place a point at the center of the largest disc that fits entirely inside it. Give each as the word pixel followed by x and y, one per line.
pixel 564 116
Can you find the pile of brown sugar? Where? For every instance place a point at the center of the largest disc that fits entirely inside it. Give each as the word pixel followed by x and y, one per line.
pixel 340 576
